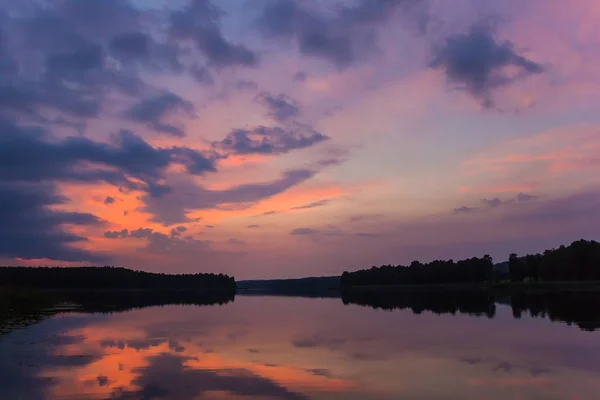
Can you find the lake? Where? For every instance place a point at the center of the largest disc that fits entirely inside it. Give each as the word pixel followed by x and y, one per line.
pixel 269 347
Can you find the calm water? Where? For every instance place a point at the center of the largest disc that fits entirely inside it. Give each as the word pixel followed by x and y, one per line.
pixel 298 349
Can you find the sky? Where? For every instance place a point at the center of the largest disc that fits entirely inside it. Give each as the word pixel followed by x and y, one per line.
pixel 288 138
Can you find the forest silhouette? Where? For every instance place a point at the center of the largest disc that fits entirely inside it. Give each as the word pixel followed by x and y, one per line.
pixel 577 262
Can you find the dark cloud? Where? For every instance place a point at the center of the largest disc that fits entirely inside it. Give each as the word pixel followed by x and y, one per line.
pixel 471 360
pixel 333 231
pixel 153 111
pixel 242 84
pixel 70 56
pixel 161 243
pixel 269 140
pixel 102 380
pixel 140 49
pixel 116 234
pixel 235 241
pixel 202 75
pixel 300 76
pixel 341 37
pixel 137 344
pixel 496 202
pixel 199 22
pixel 178 231
pixel 477 62
pixel 320 372
pixel 523 197
pixel 266 214
pixel 464 210
pixel 56 58
pixel 314 204
pixel 32 154
pixel 109 200
pixel 364 217
pixel 369 235
pixel 33 228
pixel 504 366
pixel 187 196
pixel 141 233
pixel 304 231
pixel 537 371
pixel 281 107
pixel 330 161
pixel 253 226
pixel 135 45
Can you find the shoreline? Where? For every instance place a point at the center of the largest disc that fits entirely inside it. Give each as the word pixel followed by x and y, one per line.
pixel 559 286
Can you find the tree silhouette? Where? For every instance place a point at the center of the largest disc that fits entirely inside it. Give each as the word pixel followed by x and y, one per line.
pixel 108 278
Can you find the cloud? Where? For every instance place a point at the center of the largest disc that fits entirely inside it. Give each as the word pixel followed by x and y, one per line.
pixel 320 372
pixel 304 232
pixel 477 62
pixel 152 112
pixel 235 241
pixel 116 234
pixel 300 76
pixel 187 196
pixel 33 227
pixel 253 226
pixel 523 197
pixel 127 156
pixel 159 242
pixel 56 58
pixel 315 204
pixel 464 210
pixel 369 234
pixel 109 200
pixel 134 45
pixel 496 202
pixel 364 217
pixel 281 107
pixel 141 233
pixel 178 231
pixel 243 84
pixel 202 75
pixel 341 37
pixel 199 22
pixel 190 383
pixel 139 48
pixel 266 140
pixel 333 231
pixel 267 213
pixel 71 56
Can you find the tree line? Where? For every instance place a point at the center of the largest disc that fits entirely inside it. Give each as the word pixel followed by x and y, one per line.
pixel 580 261
pixel 472 270
pixel 108 278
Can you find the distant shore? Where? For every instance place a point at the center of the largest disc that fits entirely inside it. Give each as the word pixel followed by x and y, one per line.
pixel 567 285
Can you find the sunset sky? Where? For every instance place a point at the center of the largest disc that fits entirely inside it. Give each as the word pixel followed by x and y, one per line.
pixel 288 138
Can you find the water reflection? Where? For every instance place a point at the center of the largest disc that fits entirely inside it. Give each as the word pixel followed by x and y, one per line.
pixel 578 307
pixel 474 302
pixel 300 348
